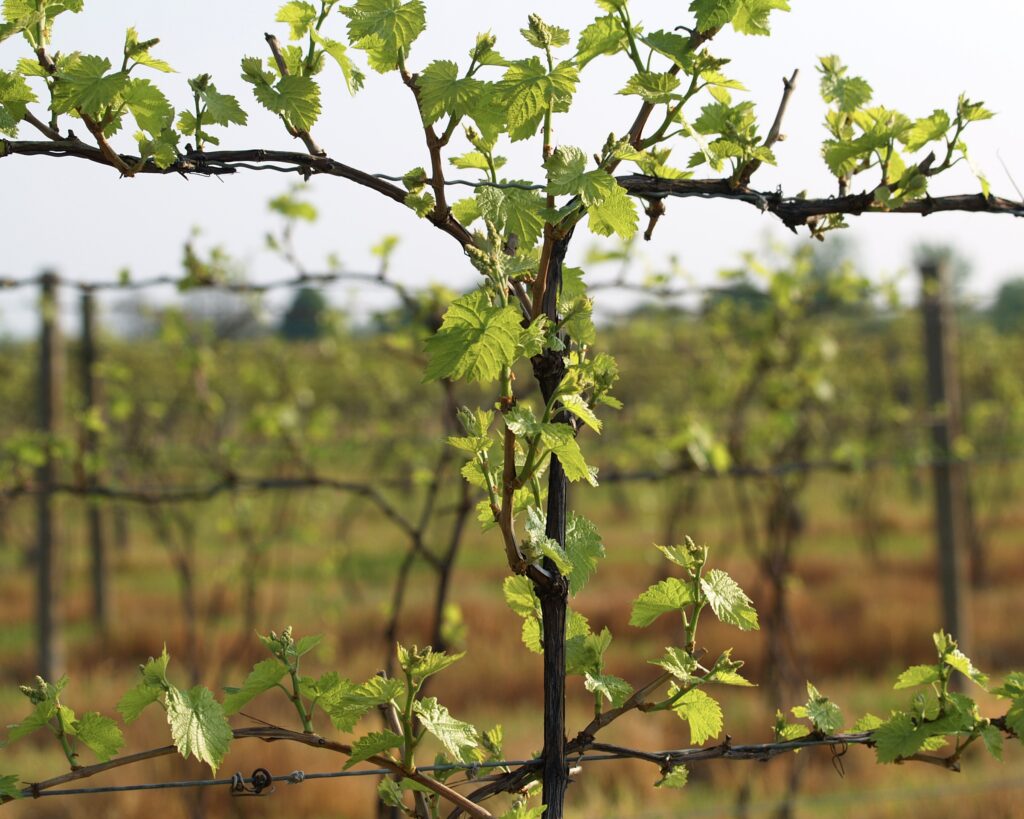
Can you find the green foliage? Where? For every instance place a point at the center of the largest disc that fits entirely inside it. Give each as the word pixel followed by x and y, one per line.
pixel 100 734
pixel 821 711
pixel 870 137
pixel 199 726
pixel 529 91
pixel 663 597
pixel 442 90
pixel 385 29
pixel 265 675
pixel 453 734
pixel 476 340
pixel 295 98
pixel 728 600
pixel 677 777
pixel 702 713
pixel 15 95
pixel 372 744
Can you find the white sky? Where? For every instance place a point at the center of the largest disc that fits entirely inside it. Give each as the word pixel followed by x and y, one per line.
pixel 83 221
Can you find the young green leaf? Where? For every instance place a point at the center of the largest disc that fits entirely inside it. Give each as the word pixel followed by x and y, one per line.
pixel 898 737
pixel 372 744
pixel 295 98
pixel 713 13
pixel 671 594
pixel 702 712
pixel 679 663
pixel 9 788
pixel 821 711
pixel 15 95
pixel 917 675
pixel 869 722
pixel 728 600
pixel 350 703
pixel 452 733
pixel 993 739
pixel 752 15
pixel 354 77
pixel 958 660
pixel 543 36
pixel 100 734
pixel 584 549
pixel 614 689
pixel 654 88
pixel 298 15
pixel 442 91
pixel 154 683
pixel 85 85
pixel 149 106
pixel 513 211
pixel 567 174
pixel 264 675
pixel 520 596
pixel 420 664
pixel 604 36
pixel 561 441
pixel 675 778
pixel 528 91
pixel 199 726
pixel 476 340
pixel 616 213
pixel 787 731
pixel 221 109
pixel 385 29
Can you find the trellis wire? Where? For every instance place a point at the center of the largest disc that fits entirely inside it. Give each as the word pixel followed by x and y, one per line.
pixel 297 777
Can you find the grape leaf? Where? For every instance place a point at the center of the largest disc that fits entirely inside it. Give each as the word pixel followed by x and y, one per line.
pixel 604 36
pixel 655 88
pixel 615 214
pixel 675 778
pixel 453 734
pixel 298 15
pixel 671 594
pixel 149 106
pixel 442 91
pixel 567 175
pixel 614 689
pixel 9 783
pixel 476 340
pixel 713 13
pixel 264 676
pixel 199 726
pixel 84 84
pixel 728 600
pixel 354 78
pixel 385 29
pixel 372 744
pixel 702 712
pixel 100 734
pixel 917 675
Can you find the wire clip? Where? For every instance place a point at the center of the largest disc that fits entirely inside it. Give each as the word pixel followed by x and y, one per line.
pixel 261 784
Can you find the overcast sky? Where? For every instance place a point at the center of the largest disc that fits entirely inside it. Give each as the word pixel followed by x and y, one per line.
pixel 82 220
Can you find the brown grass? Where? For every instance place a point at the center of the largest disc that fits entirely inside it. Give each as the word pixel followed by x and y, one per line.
pixel 856 624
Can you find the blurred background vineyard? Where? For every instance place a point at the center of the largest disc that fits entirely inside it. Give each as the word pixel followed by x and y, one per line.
pixel 253 459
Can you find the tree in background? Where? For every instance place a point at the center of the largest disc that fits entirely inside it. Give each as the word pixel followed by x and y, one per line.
pixel 304 319
pixel 1007 311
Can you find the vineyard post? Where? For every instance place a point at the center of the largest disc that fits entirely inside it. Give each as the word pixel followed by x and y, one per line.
pixel 50 648
pixel 943 396
pixel 88 360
